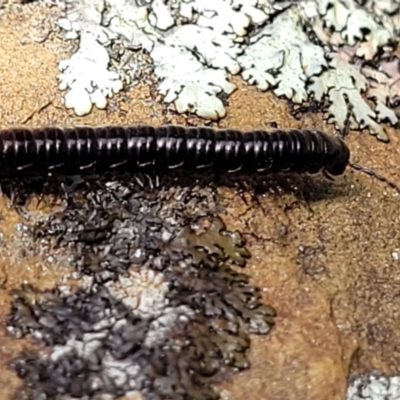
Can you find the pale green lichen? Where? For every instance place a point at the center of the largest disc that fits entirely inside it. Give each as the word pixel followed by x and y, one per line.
pixel 374 387
pixel 195 44
pixel 88 79
pixel 275 58
pixel 343 85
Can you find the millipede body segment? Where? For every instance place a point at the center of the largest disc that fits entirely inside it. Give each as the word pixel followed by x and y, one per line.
pixel 81 150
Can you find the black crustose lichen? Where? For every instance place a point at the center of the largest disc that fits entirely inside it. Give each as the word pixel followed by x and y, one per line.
pixel 161 311
pixel 82 150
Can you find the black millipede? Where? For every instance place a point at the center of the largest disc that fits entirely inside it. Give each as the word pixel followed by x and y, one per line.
pixel 136 148
pixel 87 150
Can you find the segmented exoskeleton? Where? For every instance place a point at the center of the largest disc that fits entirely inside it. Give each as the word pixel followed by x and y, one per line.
pixel 81 150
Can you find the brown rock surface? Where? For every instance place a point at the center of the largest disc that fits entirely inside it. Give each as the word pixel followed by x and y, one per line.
pixel 329 264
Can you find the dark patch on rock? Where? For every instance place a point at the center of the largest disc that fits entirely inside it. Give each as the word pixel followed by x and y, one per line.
pixel 97 342
pixel 216 242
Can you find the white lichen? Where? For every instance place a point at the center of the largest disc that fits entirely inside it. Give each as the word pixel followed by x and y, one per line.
pixel 144 291
pixel 87 77
pixel 384 86
pixel 354 23
pixel 343 85
pixel 276 59
pixel 372 387
pixel 161 16
pixel 227 17
pixel 195 45
pixel 121 373
pixel 162 326
pixel 130 22
pixel 187 82
pixel 192 61
pixel 83 16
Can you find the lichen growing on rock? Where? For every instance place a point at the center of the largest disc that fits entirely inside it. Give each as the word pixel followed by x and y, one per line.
pixel 291 48
pixel 374 387
pixel 285 62
pixel 159 309
pixel 88 79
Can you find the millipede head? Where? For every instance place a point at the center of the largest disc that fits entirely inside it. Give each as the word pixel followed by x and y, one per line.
pixel 357 167
pixel 337 165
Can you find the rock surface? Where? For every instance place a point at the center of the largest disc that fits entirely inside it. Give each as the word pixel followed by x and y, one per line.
pixel 326 254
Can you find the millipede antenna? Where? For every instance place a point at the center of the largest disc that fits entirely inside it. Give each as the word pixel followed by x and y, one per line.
pixel 357 167
pixel 374 174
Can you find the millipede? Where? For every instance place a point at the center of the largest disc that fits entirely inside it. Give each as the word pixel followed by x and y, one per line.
pixel 83 150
